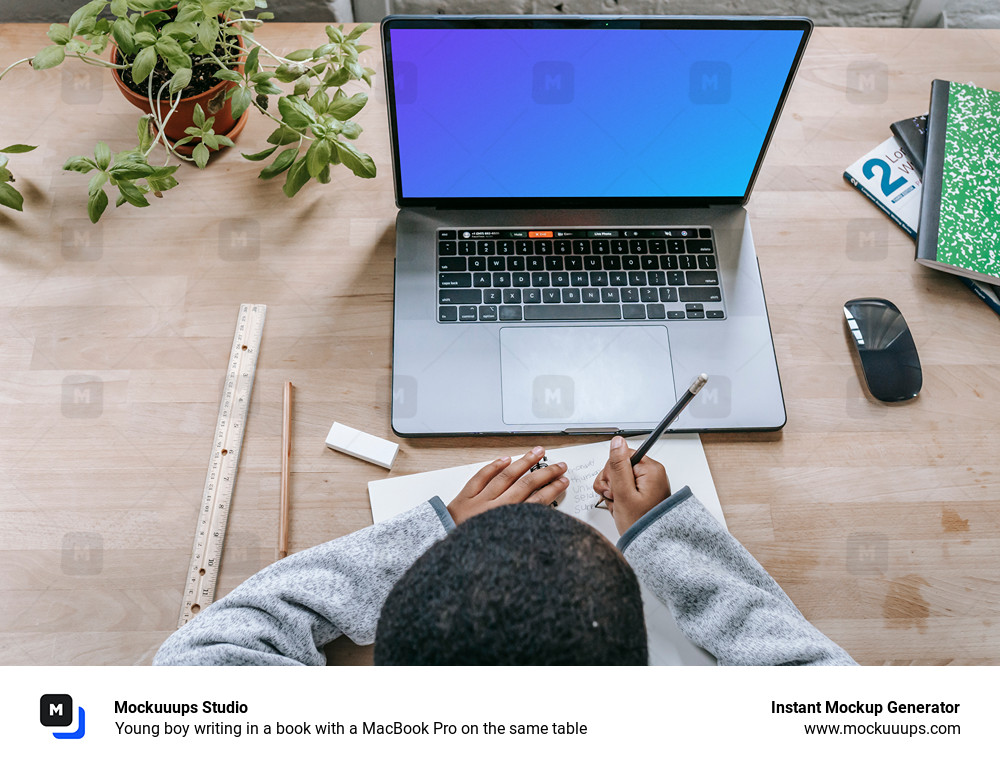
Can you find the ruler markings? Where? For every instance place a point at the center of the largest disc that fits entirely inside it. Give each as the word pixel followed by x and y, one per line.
pixel 213 515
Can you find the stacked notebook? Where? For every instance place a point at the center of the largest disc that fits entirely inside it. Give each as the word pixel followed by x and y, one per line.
pixel 953 211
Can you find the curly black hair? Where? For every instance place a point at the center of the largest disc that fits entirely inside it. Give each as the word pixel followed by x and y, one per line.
pixel 518 585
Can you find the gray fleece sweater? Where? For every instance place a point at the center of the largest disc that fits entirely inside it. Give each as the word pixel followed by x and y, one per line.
pixel 719 594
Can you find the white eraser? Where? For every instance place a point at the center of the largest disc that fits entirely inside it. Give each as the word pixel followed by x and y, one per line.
pixel 357 443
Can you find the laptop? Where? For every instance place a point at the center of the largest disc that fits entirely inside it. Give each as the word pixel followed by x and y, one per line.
pixel 572 247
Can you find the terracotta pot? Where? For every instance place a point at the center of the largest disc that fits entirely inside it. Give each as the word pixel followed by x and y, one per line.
pixel 213 101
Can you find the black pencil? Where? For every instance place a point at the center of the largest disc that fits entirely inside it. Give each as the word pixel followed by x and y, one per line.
pixel 671 416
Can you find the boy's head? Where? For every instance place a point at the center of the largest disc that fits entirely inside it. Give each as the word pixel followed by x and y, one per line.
pixel 517 585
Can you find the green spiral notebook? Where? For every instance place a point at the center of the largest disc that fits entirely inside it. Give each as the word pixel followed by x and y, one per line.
pixel 959 230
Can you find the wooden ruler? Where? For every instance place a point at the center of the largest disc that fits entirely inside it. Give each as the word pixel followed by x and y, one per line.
pixel 210 534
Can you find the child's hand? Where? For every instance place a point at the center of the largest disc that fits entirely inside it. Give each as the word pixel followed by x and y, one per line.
pixel 630 491
pixel 503 482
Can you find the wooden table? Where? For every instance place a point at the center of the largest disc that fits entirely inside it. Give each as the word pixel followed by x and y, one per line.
pixel 881 522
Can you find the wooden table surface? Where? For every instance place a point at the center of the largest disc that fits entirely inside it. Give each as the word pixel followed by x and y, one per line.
pixel 882 523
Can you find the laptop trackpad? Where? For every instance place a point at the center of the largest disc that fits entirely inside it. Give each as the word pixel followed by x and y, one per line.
pixel 610 376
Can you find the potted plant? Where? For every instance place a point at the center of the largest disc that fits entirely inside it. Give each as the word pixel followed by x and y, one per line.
pixel 195 69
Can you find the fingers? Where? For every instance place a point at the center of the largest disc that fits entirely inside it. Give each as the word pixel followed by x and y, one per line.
pixel 547 494
pixel 515 470
pixel 534 482
pixel 484 476
pixel 619 469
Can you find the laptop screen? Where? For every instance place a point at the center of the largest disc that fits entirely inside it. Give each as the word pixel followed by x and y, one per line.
pixel 584 111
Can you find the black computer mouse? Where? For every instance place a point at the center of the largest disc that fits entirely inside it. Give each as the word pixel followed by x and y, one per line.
pixel 885 346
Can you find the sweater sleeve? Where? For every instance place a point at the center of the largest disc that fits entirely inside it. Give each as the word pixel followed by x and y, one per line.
pixel 720 595
pixel 286 613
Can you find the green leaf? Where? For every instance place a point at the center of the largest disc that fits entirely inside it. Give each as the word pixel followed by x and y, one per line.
pixel 161 182
pixel 241 100
pixel 80 164
pixel 210 140
pixel 102 155
pixel 142 131
pixel 143 65
pixel 119 7
pixel 283 135
pixel 225 140
pixel 133 194
pixel 200 155
pixel 179 30
pixel 127 170
pixel 268 88
pixel 302 86
pixel 17 149
pixel 208 33
pixel 344 108
pixel 265 15
pixel 336 77
pixel 297 176
pixel 318 157
pixel 77 18
pixel 11 197
pixel 302 54
pixel 324 49
pixel 320 101
pixel 335 35
pixel 123 32
pixel 59 34
pixel 359 30
pixel 262 155
pixel 252 66
pixel 180 80
pixel 97 182
pixel 48 57
pixel 361 164
pixel 296 112
pixel 289 72
pixel 281 163
pixel 96 206
pixel 175 56
pixel 350 129
pixel 198 115
pixel 227 74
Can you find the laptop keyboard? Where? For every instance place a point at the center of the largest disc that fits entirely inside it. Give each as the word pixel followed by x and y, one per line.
pixel 526 275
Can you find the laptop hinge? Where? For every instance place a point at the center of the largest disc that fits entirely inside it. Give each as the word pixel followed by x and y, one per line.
pixel 577 431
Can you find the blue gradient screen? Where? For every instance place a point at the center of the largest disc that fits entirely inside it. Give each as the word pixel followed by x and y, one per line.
pixel 612 113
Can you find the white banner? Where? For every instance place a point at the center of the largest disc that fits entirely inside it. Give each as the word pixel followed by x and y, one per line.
pixel 497 715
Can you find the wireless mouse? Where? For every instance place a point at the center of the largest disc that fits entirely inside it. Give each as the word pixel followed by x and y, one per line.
pixel 885 347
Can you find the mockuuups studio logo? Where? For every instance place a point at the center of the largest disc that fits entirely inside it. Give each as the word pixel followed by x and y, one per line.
pixel 867 82
pixel 552 82
pixel 711 82
pixel 404 81
pixel 239 240
pixel 868 555
pixel 552 396
pixel 715 399
pixel 82 86
pixel 404 396
pixel 56 711
pixel 82 396
pixel 867 239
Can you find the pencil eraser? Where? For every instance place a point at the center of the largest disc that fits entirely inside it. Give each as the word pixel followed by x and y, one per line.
pixel 358 444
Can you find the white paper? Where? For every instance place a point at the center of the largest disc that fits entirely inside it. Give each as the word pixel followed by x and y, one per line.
pixel 681 454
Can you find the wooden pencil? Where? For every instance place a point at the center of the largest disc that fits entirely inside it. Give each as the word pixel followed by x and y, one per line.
pixel 286 453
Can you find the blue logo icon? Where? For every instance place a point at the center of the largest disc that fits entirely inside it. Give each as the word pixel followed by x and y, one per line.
pixel 56 710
